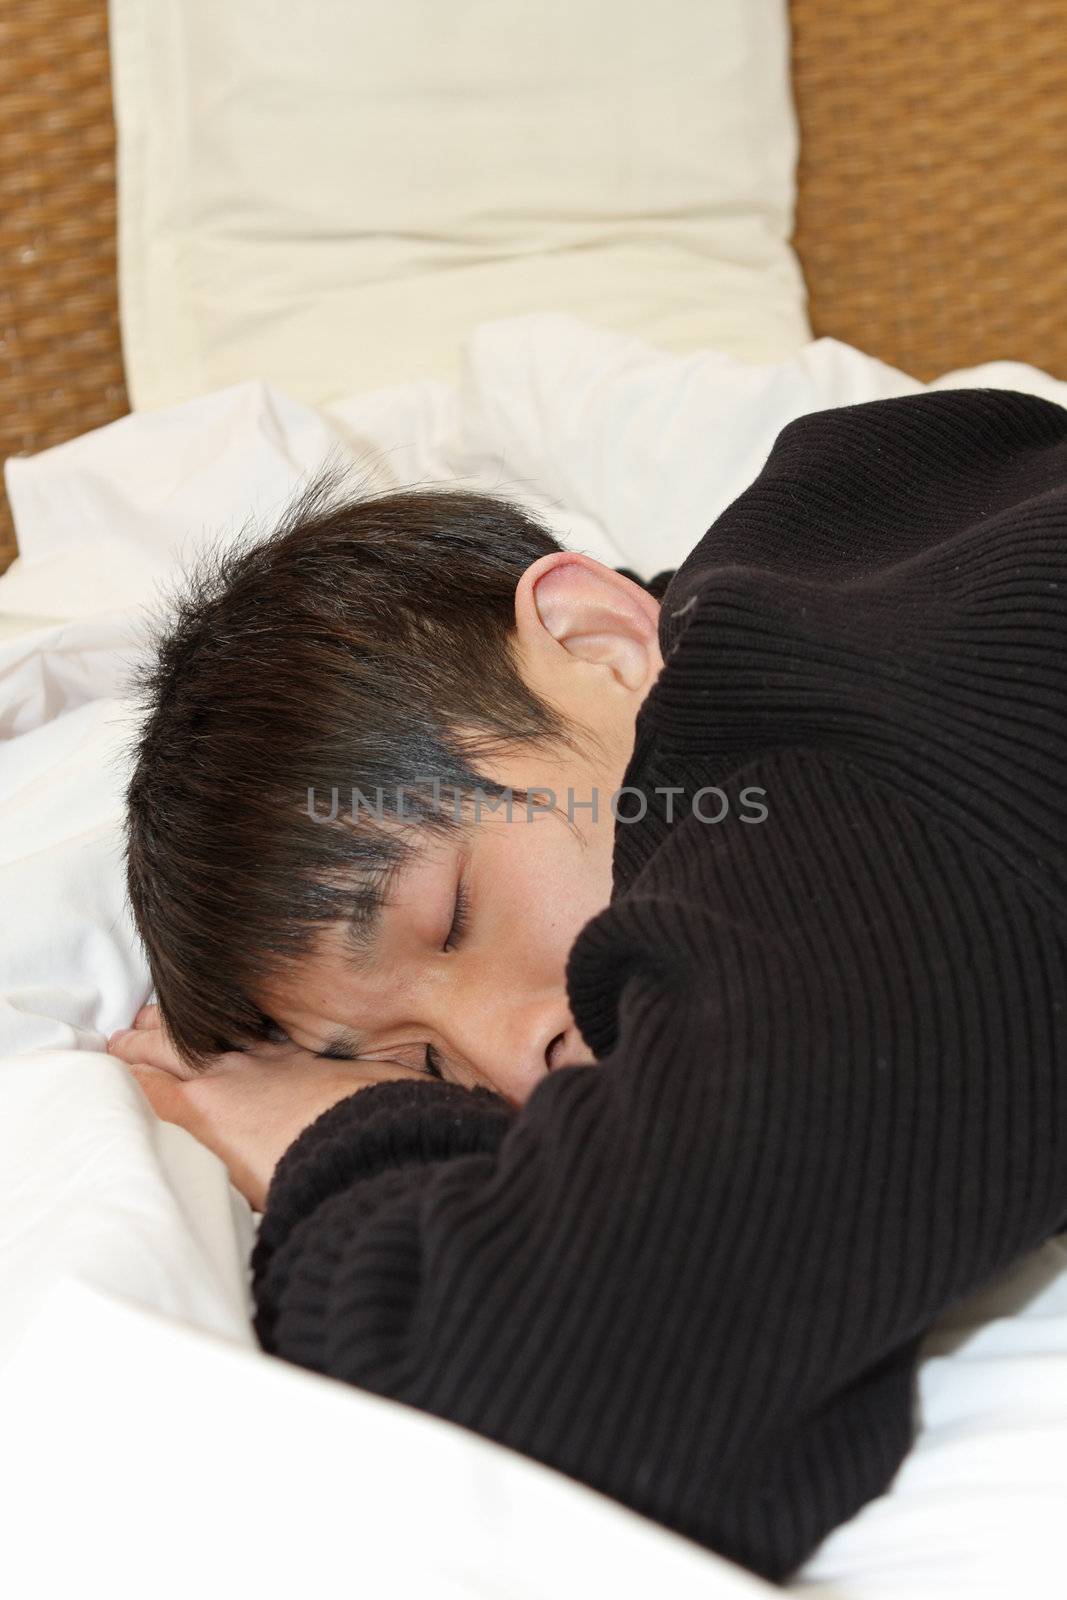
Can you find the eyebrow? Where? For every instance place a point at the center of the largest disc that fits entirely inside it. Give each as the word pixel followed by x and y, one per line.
pixel 363 927
pixel 362 931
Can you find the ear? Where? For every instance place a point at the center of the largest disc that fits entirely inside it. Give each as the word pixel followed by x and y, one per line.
pixel 567 602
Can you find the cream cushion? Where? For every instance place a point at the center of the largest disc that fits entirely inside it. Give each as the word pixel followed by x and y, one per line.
pixel 331 196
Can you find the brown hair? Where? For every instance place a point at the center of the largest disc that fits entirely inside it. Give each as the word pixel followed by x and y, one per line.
pixel 365 644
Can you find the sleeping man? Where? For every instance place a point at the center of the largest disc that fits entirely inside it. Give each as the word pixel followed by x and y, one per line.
pixel 637 1022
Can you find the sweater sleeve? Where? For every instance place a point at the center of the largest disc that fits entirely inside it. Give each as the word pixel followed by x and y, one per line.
pixel 695 1274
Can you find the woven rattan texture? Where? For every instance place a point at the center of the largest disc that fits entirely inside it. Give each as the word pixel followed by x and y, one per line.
pixel 932 182
pixel 931 212
pixel 60 351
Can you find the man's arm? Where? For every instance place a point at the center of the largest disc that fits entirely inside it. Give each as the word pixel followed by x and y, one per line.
pixel 695 1276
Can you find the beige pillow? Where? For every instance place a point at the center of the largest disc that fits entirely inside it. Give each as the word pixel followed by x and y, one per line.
pixel 331 195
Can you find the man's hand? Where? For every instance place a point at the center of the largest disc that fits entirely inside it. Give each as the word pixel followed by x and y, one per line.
pixel 246 1107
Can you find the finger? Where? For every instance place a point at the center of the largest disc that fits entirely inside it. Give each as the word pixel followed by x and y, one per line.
pixel 148 1047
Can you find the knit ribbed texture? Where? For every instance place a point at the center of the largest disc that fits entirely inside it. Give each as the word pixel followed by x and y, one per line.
pixel 829 1097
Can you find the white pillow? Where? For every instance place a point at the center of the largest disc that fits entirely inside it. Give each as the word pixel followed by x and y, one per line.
pixel 330 196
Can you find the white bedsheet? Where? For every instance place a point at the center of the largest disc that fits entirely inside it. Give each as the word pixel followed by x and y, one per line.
pixel 145 1436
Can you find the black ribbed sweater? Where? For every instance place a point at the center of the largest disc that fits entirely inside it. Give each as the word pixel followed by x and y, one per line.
pixel 829 1098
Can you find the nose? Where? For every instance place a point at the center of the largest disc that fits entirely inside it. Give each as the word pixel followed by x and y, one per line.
pixel 513 1046
pixel 567 1049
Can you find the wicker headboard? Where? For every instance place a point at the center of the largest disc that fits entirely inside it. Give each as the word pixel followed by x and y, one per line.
pixel 931 214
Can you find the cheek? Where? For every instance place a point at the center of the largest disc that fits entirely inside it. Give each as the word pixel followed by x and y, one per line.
pixel 550 886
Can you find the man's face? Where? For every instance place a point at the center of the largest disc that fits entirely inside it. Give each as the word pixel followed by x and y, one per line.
pixel 486 1003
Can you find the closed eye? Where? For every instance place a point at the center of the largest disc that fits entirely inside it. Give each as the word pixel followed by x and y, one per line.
pixel 460 916
pixel 457 931
pixel 433 1063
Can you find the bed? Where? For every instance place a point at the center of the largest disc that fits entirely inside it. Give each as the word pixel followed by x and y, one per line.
pixel 925 248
